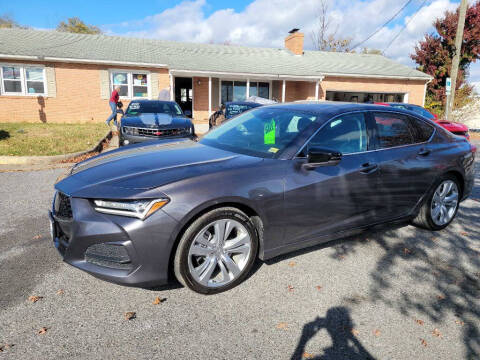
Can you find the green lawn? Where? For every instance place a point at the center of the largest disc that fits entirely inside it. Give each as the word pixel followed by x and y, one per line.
pixel 48 139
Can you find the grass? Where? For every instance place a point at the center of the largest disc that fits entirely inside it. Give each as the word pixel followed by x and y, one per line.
pixel 25 139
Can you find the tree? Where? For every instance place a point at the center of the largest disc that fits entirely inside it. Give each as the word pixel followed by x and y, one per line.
pixel 323 37
pixel 76 25
pixel 434 54
pixel 7 22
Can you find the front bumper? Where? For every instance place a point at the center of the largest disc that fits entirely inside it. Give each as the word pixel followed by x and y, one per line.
pixel 134 139
pixel 118 249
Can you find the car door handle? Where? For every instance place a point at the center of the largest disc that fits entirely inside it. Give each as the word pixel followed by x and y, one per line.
pixel 368 168
pixel 423 152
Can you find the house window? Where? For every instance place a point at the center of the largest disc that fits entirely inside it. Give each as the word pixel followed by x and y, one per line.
pixel 133 84
pixel 260 89
pixel 23 80
pixel 237 90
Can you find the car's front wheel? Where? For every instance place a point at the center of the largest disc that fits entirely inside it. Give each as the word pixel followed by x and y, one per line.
pixel 441 205
pixel 217 251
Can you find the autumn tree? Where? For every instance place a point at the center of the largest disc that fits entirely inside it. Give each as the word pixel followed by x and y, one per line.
pixel 323 37
pixel 434 54
pixel 76 25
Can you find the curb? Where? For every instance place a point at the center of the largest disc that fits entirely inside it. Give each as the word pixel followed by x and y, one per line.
pixel 42 160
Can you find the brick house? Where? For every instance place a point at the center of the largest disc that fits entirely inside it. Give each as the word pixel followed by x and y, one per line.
pixel 52 76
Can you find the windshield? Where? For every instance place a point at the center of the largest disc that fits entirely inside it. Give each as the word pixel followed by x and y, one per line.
pixel 136 107
pixel 234 109
pixel 263 132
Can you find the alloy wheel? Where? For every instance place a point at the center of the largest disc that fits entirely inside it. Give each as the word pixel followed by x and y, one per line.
pixel 219 253
pixel 444 203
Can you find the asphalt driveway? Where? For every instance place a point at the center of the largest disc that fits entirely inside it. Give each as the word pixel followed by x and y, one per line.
pixel 392 293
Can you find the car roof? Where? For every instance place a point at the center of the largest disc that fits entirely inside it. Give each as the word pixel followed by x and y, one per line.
pixel 153 101
pixel 251 103
pixel 333 108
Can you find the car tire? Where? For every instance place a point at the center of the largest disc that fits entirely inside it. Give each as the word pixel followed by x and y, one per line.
pixel 427 217
pixel 209 263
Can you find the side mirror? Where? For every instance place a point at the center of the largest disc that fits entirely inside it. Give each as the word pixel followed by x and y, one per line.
pixel 188 113
pixel 322 157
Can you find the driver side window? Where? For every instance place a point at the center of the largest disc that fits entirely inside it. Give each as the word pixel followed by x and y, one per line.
pixel 346 134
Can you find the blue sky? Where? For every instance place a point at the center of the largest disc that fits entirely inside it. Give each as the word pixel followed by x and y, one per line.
pixel 253 23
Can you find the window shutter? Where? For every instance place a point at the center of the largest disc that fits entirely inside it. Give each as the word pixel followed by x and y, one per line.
pixel 154 85
pixel 51 82
pixel 104 84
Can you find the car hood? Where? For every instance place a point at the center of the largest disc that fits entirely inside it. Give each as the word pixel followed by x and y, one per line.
pixel 135 170
pixel 452 126
pixel 155 120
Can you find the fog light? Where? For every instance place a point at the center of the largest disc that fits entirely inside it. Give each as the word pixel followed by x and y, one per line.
pixel 126 142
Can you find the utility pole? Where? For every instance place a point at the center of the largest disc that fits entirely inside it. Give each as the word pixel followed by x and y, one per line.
pixel 456 57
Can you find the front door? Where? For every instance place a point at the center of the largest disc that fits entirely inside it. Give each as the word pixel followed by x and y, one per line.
pixel 329 199
pixel 184 93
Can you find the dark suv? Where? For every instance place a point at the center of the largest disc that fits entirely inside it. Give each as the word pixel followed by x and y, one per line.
pixel 148 120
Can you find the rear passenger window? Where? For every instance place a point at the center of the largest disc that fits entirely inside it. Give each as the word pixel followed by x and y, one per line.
pixel 421 130
pixel 392 130
pixel 346 133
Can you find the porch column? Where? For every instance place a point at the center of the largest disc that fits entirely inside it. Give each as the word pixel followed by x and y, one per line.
pixel 283 91
pixel 317 83
pixel 171 88
pixel 209 96
pixel 248 88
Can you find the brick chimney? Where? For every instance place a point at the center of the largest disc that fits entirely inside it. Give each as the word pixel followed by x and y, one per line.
pixel 294 42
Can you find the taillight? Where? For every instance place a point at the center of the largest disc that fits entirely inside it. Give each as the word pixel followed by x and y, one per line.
pixel 473 148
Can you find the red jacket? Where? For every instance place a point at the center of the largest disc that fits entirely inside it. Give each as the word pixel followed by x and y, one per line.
pixel 114 98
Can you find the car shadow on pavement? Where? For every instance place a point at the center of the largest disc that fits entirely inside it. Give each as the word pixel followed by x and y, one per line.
pixel 340 327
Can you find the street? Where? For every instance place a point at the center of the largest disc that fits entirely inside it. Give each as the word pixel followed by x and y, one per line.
pixel 392 293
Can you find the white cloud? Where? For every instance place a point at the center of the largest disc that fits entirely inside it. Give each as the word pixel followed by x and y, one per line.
pixel 266 22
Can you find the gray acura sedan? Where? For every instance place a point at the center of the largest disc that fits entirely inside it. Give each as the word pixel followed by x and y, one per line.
pixel 272 180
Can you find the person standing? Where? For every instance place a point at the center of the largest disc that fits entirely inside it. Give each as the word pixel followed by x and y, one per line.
pixel 114 99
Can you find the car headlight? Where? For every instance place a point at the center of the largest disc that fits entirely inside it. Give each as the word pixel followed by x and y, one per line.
pixel 135 208
pixel 130 130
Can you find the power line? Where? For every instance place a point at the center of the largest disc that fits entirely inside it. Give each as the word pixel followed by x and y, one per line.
pixel 381 27
pixel 404 26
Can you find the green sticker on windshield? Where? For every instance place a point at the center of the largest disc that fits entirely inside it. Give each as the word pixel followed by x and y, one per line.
pixel 269 133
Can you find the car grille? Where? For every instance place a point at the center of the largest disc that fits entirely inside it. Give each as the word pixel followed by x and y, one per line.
pixel 108 255
pixel 157 133
pixel 63 208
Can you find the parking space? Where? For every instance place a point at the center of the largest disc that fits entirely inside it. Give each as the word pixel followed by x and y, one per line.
pixel 391 293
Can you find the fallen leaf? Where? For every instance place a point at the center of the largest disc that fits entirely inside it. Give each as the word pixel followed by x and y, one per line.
pixel 8 346
pixel 158 300
pixel 42 331
pixel 435 239
pixel 407 251
pixel 318 287
pixel 341 257
pixel 463 233
pixel 36 237
pixel 424 343
pixel 419 322
pixel 459 322
pixel 282 325
pixel 436 333
pixel 355 332
pixel 129 315
pixel 440 297
pixel 34 298
pixel 307 355
pixel 377 332
pixel 60 292
pixel 292 263
pixel 290 288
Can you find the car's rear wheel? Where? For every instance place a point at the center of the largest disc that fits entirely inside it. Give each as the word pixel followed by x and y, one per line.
pixel 217 251
pixel 441 206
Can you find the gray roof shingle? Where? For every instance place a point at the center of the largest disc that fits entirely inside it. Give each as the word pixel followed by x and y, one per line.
pixel 197 57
